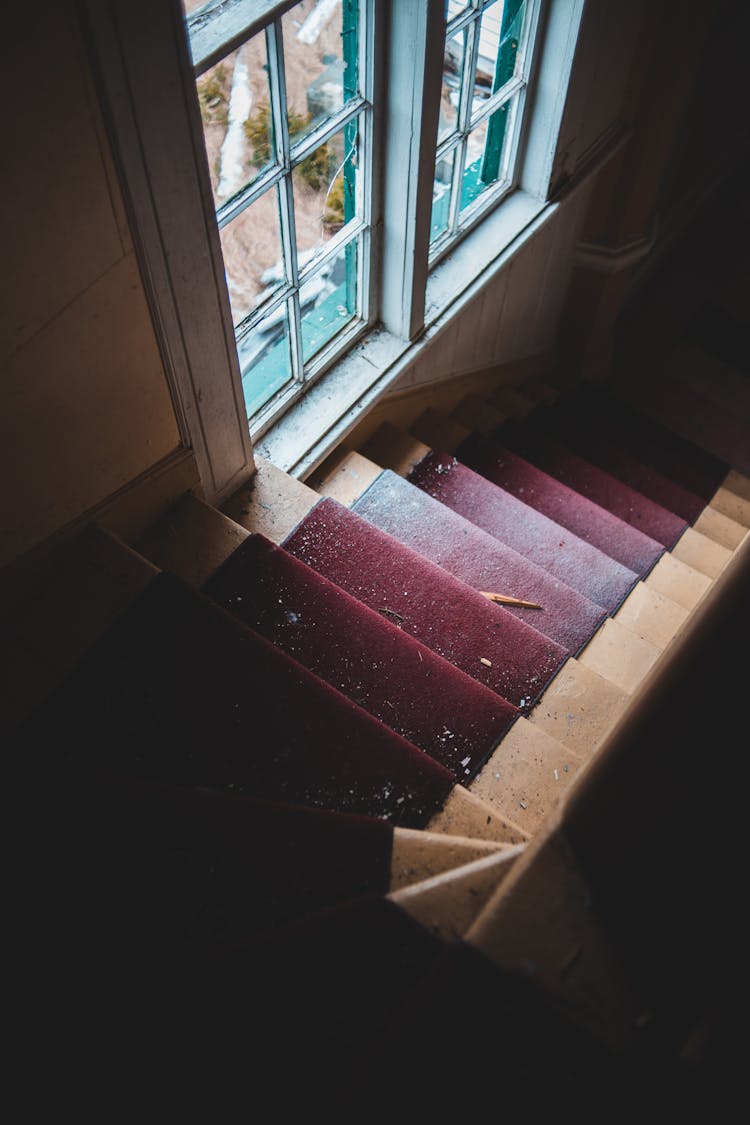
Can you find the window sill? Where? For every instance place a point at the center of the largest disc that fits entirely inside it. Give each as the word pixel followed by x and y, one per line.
pixel 306 433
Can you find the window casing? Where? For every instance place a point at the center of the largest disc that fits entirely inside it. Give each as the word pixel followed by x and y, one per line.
pixel 291 183
pixel 314 299
pixel 409 288
pixel 487 61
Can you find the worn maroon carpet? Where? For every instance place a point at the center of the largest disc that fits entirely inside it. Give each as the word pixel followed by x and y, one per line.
pixel 564 505
pixel 178 691
pixel 419 521
pixel 647 439
pixel 458 623
pixel 699 419
pixel 555 457
pixel 166 873
pixel 593 439
pixel 572 560
pixel 364 654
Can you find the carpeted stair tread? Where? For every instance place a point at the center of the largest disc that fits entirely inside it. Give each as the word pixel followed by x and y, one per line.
pixel 290 1013
pixel 566 506
pixel 649 439
pixel 363 654
pixel 475 557
pixel 178 691
pixel 583 476
pixel 173 872
pixel 455 621
pixel 546 543
pixel 604 448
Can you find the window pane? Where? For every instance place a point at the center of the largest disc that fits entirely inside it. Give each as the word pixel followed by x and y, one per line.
pixel 325 192
pixel 234 101
pixel 251 245
pixel 451 90
pixel 320 60
pixel 489 38
pixel 328 300
pixel 472 184
pixel 265 359
pixel 441 195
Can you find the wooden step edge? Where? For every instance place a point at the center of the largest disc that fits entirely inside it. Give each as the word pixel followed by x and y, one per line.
pixel 465 814
pixel 191 540
pixel 447 904
pixel 737 483
pixel 418 855
pixel 678 581
pixel 702 553
pixel 439 431
pixel 721 528
pixel 651 615
pixel 479 414
pixel 539 921
pixel 619 655
pixel 271 503
pixel 731 503
pixel 345 476
pixel 512 402
pixel 579 707
pixel 528 775
pixel 394 448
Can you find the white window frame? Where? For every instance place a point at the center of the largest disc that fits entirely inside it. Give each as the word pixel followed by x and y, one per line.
pixel 215 30
pixel 147 80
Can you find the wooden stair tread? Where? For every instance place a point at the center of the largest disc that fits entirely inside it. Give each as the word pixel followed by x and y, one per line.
pixel 677 580
pixel 478 414
pixel 447 904
pixel 732 505
pixel 619 655
pixel 528 774
pixel 394 448
pixel 344 476
pixel 439 431
pixel 272 502
pixel 418 854
pixel 192 539
pixel 466 814
pixel 720 527
pixel 739 484
pixel 579 707
pixel 702 553
pixel 512 401
pixel 653 616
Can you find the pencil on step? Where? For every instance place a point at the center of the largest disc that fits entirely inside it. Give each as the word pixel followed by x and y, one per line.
pixel 506 599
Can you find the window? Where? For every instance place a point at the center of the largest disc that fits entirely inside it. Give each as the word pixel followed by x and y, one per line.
pixel 317 189
pixel 286 116
pixel 287 103
pixel 487 57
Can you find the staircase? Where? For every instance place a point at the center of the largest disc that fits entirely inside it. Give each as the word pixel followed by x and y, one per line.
pixel 413 761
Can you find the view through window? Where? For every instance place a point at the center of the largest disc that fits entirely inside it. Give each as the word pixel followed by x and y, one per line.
pixel 285 126
pixel 485 69
pixel 285 92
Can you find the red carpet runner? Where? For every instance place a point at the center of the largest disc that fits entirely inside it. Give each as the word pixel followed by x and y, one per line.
pixel 180 692
pixel 569 508
pixel 471 554
pixel 554 457
pixel 533 534
pixel 458 623
pixel 363 654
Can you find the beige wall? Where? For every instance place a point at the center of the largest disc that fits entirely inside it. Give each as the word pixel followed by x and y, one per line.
pixel 85 403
